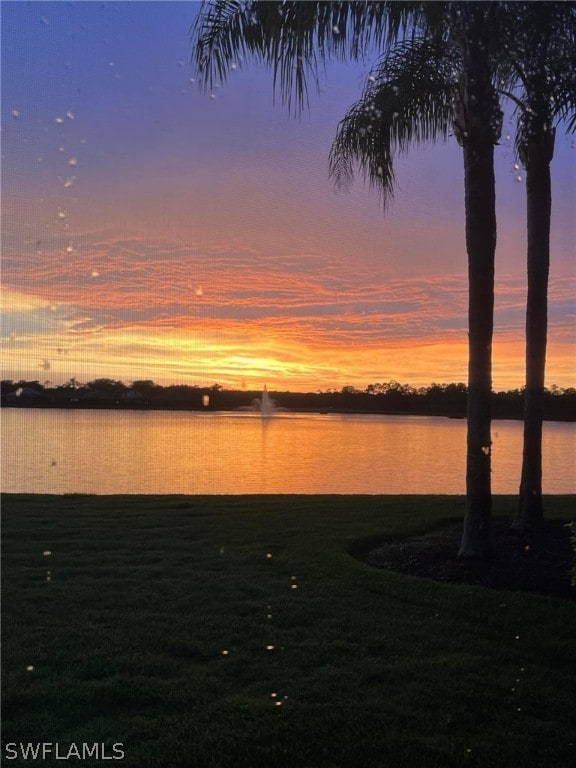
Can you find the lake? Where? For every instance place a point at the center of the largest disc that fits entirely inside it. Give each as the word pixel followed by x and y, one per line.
pixel 166 452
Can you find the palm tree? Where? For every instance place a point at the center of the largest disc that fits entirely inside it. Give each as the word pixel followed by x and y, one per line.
pixel 421 88
pixel 538 61
pixel 542 51
pixel 458 39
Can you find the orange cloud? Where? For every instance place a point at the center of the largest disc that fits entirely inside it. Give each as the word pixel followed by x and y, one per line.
pixel 167 309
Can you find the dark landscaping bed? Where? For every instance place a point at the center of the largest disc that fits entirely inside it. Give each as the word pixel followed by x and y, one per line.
pixel 539 563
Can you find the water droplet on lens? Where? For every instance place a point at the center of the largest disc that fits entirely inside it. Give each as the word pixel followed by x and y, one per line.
pixel 225 652
pixel 73 161
pixel 15 113
pixel 69 248
pixel 269 647
pixel 70 115
pixel 47 552
pixel 268 555
pixel 29 668
pixel 336 30
pixel 199 291
pixel 95 273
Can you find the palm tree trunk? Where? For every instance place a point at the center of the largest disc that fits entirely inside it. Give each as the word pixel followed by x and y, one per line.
pixel 539 202
pixel 478 122
pixel 481 245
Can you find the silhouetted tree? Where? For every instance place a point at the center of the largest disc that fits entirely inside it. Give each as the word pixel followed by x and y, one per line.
pixel 421 87
pixel 442 74
pixel 542 49
pixel 109 386
pixel 145 387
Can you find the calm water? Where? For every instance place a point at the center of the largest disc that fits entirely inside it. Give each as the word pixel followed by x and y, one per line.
pixel 164 452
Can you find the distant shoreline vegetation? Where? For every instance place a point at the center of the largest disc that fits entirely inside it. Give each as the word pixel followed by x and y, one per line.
pixel 386 398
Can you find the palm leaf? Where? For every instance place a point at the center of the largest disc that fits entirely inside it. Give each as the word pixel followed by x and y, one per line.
pixel 293 37
pixel 407 101
pixel 541 49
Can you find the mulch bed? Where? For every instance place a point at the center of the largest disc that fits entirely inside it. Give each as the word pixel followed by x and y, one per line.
pixel 540 563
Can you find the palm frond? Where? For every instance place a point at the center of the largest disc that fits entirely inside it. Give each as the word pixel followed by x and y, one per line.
pixel 293 37
pixel 408 100
pixel 221 39
pixel 541 47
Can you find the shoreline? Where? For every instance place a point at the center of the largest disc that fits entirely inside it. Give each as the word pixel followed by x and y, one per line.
pixel 568 418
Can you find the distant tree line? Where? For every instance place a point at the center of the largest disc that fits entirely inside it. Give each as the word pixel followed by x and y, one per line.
pixel 386 397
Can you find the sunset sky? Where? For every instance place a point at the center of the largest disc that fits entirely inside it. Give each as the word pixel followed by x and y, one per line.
pixel 152 231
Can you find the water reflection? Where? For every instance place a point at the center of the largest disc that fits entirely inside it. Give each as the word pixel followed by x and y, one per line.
pixel 175 452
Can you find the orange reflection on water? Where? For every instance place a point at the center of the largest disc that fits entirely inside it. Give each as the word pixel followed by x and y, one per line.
pixel 235 453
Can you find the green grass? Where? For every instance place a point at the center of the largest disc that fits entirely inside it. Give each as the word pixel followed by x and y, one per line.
pixel 379 670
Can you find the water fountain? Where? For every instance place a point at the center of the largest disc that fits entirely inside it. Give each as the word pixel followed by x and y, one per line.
pixel 267 405
pixel 264 404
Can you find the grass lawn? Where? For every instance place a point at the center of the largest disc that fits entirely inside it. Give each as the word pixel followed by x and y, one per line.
pixel 237 632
